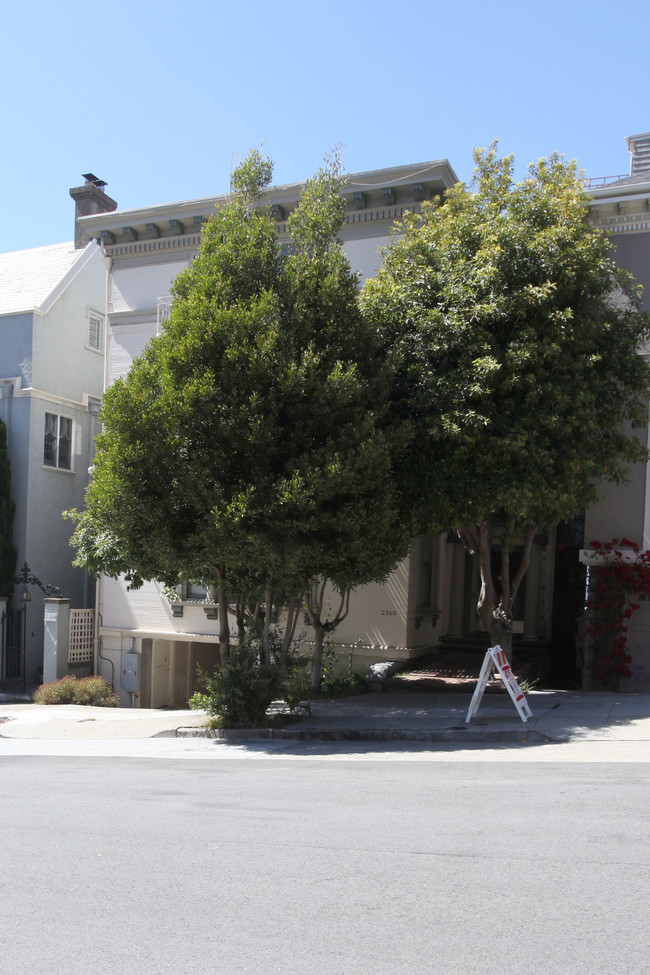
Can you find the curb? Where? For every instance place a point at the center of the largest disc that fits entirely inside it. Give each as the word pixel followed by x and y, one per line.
pixel 370 734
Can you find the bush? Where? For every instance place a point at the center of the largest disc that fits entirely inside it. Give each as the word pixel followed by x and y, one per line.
pixel 337 684
pixel 240 691
pixel 93 691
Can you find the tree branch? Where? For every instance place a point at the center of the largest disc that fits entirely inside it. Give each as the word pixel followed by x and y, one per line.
pixel 506 539
pixel 469 538
pixel 525 562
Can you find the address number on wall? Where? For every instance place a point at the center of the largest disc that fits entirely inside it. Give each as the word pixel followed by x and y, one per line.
pixel 389 612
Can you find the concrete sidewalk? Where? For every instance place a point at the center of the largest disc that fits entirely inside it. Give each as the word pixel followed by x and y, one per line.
pixel 558 716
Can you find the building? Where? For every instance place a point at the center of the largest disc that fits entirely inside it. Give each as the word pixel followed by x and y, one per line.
pixel 154 644
pixel 621 206
pixel 149 646
pixel 52 333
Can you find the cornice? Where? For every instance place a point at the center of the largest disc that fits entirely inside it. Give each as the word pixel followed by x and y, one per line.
pixel 173 228
pixel 161 245
pixel 31 393
pixel 127 320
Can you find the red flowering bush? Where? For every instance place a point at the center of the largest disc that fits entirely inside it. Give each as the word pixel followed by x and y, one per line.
pixel 72 690
pixel 615 585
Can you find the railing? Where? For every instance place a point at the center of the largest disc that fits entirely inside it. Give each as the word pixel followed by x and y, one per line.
pixel 164 306
pixel 593 181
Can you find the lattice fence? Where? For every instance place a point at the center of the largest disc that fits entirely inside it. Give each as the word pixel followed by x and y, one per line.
pixel 82 630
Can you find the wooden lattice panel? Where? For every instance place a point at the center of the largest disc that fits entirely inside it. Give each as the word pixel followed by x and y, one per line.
pixel 82 630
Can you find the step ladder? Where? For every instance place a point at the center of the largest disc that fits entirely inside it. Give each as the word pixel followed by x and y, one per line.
pixel 496 658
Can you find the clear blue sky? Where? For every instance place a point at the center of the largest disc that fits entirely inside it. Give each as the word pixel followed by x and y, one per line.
pixel 154 97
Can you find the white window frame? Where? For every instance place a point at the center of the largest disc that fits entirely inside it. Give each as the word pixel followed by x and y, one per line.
pixel 95 322
pixel 56 439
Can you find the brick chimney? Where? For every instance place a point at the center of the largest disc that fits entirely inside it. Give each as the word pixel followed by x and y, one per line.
pixel 89 198
pixel 639 149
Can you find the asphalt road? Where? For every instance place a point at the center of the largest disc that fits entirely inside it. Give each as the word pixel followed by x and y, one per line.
pixel 323 865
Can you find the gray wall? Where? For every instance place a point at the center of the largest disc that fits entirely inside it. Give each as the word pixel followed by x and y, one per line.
pixel 632 252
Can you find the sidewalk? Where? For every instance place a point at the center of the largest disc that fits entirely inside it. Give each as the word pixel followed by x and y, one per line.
pixel 558 716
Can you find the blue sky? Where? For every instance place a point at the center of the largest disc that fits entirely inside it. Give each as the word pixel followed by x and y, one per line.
pixel 155 97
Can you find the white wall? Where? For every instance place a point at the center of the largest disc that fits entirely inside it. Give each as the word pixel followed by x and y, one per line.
pixel 364 255
pixel 138 288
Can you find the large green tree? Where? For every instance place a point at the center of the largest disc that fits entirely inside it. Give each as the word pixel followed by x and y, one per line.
pixel 7 509
pixel 251 447
pixel 518 340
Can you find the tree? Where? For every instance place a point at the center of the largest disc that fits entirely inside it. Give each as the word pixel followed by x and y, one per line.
pixel 7 509
pixel 518 340
pixel 251 447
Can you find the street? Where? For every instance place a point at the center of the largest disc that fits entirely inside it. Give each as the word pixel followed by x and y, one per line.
pixel 324 859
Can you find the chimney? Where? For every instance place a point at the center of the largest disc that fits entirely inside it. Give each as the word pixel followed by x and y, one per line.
pixel 639 149
pixel 89 198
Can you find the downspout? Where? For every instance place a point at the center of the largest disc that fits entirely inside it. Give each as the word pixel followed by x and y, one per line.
pixel 98 585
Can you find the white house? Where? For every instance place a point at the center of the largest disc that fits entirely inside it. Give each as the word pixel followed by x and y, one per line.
pixel 148 647
pixel 154 645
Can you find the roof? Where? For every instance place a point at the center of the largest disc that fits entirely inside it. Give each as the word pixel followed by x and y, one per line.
pixel 437 175
pixel 28 277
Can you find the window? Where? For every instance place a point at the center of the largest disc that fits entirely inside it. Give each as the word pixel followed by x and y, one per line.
pixel 195 591
pixel 57 442
pixel 94 331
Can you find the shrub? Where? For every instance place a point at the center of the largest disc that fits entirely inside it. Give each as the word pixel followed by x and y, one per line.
pixel 72 690
pixel 240 691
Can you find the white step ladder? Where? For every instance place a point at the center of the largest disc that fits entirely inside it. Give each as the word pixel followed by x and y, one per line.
pixel 496 657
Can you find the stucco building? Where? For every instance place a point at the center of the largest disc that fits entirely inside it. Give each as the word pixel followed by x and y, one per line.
pixel 156 644
pixel 148 646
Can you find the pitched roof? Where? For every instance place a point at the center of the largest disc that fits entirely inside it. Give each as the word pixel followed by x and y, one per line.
pixel 28 277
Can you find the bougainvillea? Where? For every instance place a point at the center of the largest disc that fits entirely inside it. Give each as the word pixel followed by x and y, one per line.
pixel 615 586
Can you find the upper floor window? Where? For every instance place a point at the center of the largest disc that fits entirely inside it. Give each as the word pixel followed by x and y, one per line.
pixel 195 591
pixel 94 331
pixel 57 441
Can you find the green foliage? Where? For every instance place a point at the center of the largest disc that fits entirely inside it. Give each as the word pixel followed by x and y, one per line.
pixel 92 691
pixel 518 340
pixel 7 509
pixel 251 176
pixel 240 691
pixel 337 684
pixel 251 445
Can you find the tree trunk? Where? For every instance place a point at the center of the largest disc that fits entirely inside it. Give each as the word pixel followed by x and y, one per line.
pixel 494 610
pixel 224 624
pixel 315 609
pixel 317 659
pixel 266 632
pixel 240 611
pixel 293 612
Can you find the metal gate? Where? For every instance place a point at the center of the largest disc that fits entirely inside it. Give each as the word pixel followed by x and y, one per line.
pixel 12 648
